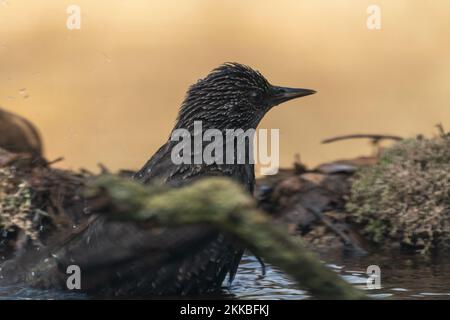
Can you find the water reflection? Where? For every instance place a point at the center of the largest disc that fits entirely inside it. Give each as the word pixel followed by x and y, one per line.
pixel 250 284
pixel 402 277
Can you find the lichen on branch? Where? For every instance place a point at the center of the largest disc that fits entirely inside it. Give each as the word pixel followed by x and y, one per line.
pixel 222 203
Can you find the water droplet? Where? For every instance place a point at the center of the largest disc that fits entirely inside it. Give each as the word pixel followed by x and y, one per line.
pixel 23 92
pixel 107 58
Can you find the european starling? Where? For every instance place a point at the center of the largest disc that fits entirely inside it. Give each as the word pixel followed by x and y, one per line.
pixel 233 96
pixel 120 258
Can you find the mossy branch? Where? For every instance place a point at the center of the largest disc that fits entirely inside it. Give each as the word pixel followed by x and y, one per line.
pixel 224 204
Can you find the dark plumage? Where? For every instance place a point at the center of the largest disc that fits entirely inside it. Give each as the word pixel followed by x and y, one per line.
pixel 119 258
pixel 232 96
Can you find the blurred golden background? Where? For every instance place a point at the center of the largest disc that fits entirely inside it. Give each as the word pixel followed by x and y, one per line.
pixel 110 91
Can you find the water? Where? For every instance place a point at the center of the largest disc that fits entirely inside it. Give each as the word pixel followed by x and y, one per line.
pixel 402 277
pixel 251 284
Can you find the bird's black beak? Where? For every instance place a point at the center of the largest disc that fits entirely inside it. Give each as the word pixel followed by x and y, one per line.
pixel 283 94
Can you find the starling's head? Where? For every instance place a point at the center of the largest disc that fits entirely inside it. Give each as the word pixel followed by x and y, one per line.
pixel 233 96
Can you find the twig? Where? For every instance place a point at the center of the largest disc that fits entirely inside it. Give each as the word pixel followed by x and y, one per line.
pixel 49 163
pixel 441 129
pixel 375 137
pixel 103 169
pixel 346 240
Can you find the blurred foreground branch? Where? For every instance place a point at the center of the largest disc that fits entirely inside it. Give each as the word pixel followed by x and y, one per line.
pixel 222 203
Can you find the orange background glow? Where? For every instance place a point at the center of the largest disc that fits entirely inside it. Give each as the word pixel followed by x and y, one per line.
pixel 110 92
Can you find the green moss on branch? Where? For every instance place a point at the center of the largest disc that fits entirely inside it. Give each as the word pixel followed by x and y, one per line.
pixel 220 202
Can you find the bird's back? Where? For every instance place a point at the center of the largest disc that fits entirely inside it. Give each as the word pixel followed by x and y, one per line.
pixel 161 168
pixel 206 265
pixel 123 258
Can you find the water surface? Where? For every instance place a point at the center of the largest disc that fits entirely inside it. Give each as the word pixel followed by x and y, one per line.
pixel 402 277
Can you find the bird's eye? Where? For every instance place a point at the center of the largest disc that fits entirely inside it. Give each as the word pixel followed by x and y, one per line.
pixel 256 96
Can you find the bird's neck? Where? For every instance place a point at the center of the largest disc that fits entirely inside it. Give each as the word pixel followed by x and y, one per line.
pixel 207 144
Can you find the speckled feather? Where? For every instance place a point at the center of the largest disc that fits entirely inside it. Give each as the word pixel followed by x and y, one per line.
pixel 135 259
pixel 177 261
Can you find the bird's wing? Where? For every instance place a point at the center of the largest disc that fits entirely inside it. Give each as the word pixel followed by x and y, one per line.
pixel 158 167
pixel 126 258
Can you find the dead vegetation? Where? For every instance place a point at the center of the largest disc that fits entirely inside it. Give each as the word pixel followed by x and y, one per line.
pixel 15 204
pixel 35 200
pixel 312 203
pixel 405 197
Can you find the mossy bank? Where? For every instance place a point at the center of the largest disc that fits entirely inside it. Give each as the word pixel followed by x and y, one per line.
pixel 405 198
